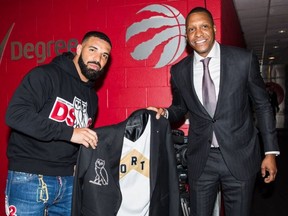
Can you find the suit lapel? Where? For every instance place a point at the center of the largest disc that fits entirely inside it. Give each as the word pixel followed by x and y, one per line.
pixel 223 70
pixel 154 152
pixel 188 78
pixel 188 75
pixel 115 150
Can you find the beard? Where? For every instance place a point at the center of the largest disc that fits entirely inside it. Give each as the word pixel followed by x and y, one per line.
pixel 89 73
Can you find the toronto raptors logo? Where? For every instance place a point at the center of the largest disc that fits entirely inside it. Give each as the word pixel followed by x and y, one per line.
pixel 166 29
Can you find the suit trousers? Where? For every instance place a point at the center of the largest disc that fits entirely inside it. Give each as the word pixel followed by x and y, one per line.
pixel 237 195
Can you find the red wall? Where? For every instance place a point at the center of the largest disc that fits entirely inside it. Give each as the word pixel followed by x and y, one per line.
pixel 129 84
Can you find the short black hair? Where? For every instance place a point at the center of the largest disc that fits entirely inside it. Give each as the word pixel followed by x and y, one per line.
pixel 97 34
pixel 202 10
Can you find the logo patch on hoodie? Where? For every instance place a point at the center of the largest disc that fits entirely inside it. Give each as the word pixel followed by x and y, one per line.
pixel 75 115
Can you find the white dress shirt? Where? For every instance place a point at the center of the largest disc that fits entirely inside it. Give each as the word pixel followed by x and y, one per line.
pixel 214 69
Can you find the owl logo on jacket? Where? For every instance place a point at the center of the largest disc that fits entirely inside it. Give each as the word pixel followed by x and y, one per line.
pixel 101 177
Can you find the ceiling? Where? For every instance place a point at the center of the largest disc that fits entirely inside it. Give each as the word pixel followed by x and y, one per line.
pixel 261 21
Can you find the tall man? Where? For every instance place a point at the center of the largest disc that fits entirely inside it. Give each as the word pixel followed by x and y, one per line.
pixel 223 146
pixel 50 115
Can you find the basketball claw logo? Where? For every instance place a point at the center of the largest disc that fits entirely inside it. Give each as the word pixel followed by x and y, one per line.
pixel 173 34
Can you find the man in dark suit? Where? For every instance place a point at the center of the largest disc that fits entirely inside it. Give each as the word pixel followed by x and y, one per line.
pixel 223 148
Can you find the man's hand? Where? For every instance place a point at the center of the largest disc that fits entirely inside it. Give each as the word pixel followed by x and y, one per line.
pixel 84 136
pixel 269 166
pixel 160 111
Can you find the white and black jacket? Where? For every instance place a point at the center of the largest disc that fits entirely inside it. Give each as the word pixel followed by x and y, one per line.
pixel 105 197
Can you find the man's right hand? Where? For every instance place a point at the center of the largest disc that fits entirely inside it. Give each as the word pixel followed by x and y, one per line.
pixel 160 111
pixel 84 136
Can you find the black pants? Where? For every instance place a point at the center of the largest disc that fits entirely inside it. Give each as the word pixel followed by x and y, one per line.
pixel 237 195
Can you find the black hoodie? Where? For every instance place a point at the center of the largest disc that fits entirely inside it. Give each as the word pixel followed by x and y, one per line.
pixel 47 105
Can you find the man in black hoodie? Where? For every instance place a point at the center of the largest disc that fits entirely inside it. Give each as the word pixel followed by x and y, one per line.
pixel 50 115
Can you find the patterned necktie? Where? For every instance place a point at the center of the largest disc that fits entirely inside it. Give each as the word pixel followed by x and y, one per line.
pixel 209 94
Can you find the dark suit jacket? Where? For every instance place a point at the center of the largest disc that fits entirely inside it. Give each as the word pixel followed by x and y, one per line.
pixel 105 199
pixel 233 121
